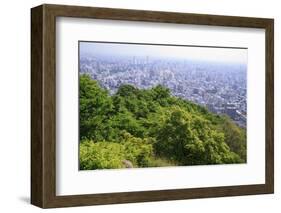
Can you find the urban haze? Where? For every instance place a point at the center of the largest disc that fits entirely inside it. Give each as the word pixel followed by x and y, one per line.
pixel 209 76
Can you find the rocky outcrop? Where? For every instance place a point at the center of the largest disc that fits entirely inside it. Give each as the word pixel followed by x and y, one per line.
pixel 127 164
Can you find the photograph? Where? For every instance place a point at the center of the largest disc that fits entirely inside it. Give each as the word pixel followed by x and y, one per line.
pixel 156 105
pixel 170 105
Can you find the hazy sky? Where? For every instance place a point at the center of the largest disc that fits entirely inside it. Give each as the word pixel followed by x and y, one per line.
pixel 229 55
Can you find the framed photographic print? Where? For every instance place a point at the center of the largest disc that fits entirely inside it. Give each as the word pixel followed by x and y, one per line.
pixel 135 106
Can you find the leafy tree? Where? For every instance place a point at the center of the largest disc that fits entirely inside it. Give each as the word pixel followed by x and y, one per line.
pixel 138 151
pixel 126 121
pixel 161 95
pixel 190 141
pixel 95 108
pixel 235 137
pixel 101 155
pixel 109 155
pixel 127 91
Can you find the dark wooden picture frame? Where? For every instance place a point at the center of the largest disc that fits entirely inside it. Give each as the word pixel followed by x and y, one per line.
pixel 43 105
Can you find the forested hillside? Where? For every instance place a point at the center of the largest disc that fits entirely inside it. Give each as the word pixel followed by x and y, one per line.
pixel 152 128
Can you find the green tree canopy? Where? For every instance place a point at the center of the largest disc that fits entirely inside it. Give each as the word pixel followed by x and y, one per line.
pixel 150 127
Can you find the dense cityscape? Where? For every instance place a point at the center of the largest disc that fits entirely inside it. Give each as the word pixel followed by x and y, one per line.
pixel 221 87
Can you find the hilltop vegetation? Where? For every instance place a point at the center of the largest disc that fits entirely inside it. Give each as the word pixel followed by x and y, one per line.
pixel 151 128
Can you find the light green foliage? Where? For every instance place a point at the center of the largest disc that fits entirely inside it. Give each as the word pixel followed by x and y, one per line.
pixel 138 151
pixel 152 128
pixel 235 137
pixel 109 155
pixel 189 140
pixel 101 155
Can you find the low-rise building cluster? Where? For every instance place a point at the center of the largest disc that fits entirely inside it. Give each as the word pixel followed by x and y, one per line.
pixel 221 87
